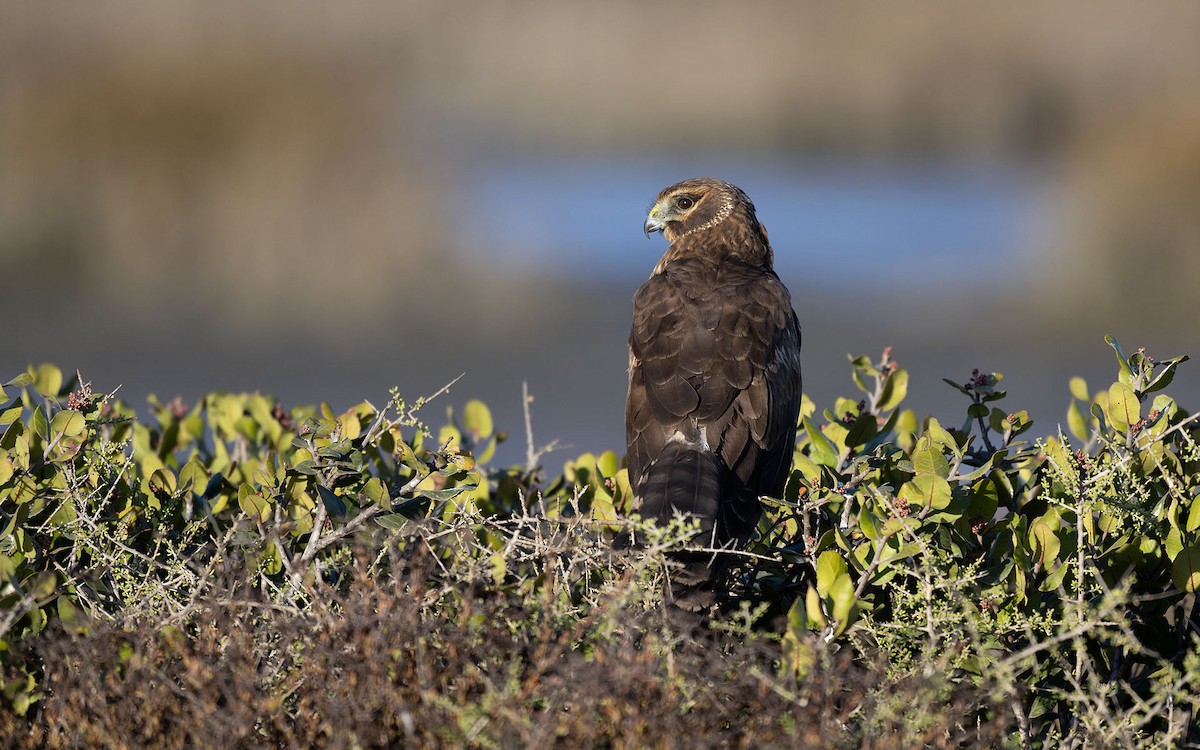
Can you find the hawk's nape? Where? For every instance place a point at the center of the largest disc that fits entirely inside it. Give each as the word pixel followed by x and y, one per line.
pixel 714 371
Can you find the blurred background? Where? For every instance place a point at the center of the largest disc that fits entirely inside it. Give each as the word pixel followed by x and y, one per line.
pixel 323 201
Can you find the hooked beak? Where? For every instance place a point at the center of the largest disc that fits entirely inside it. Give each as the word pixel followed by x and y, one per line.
pixel 653 222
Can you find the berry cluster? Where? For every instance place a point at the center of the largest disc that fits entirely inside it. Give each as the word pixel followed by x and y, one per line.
pixel 282 416
pixel 978 380
pixel 82 400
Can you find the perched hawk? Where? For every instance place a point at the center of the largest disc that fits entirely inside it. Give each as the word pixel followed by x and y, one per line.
pixel 714 367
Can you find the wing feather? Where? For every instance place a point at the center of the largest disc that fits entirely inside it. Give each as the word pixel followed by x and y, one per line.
pixel 714 359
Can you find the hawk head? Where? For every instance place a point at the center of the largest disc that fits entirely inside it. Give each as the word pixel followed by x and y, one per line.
pixel 704 206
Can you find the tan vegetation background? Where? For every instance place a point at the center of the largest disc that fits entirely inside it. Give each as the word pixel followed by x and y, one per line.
pixel 199 196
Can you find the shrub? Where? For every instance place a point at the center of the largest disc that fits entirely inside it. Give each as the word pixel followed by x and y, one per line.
pixel 237 573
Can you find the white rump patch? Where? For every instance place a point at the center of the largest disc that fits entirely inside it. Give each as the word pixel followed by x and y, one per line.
pixel 702 443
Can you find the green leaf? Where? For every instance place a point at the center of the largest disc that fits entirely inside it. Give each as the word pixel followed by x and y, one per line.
pixel 376 492
pixel 807 468
pixel 836 432
pixel 260 408
pixel 1076 422
pixel 1056 576
pixel 334 505
pixel 979 471
pixel 863 429
pixel 1079 388
pixel 21 692
pixel 1043 542
pixel 1173 544
pixel 603 507
pixel 1164 378
pixel 957 387
pixel 830 566
pixel 73 620
pixel 823 450
pixel 477 419
pixel 10 415
pixel 1185 571
pixel 608 464
pixel 393 521
pixel 842 594
pixel 895 388
pixel 448 436
pixel 40 424
pixel 446 493
pixel 1193 519
pixel 409 458
pixel 1126 375
pixel 484 452
pixel 928 490
pixel 869 525
pixel 253 504
pixel 269 561
pixel 48 380
pixel 812 608
pixel 162 482
pixel 927 458
pixel 307 467
pixel 1124 409
pixel 797 618
pixel 1098 412
pixel 20 381
pixel 940 436
pixel 68 423
pixel 985 498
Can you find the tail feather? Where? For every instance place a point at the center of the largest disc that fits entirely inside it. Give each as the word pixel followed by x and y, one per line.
pixel 685 479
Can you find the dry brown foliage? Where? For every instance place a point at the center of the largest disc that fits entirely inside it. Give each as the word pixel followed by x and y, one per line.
pixel 392 661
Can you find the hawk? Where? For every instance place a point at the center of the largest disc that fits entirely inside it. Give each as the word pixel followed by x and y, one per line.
pixel 714 369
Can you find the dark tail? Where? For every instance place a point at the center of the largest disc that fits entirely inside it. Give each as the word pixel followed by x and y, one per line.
pixel 684 479
pixel 687 480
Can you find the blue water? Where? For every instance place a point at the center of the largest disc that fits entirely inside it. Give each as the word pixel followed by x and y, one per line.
pixel 874 225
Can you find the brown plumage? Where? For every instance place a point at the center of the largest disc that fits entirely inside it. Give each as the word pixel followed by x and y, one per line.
pixel 714 367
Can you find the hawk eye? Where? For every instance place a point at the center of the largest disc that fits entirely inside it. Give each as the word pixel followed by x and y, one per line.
pixel 684 202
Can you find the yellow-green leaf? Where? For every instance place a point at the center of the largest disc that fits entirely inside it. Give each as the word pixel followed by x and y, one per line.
pixel 939 435
pixel 1044 543
pixel 1193 519
pixel 927 490
pixel 193 477
pixel 449 435
pixel 927 458
pixel 1124 409
pixel 1173 544
pixel 269 560
pixel 68 423
pixel 162 481
pixel 1185 571
pixel 477 419
pixel 812 608
pixel 895 388
pixel 830 566
pixel 1079 388
pixel 48 380
pixel 253 504
pixel 842 595
pixel 376 492
pixel 1076 422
